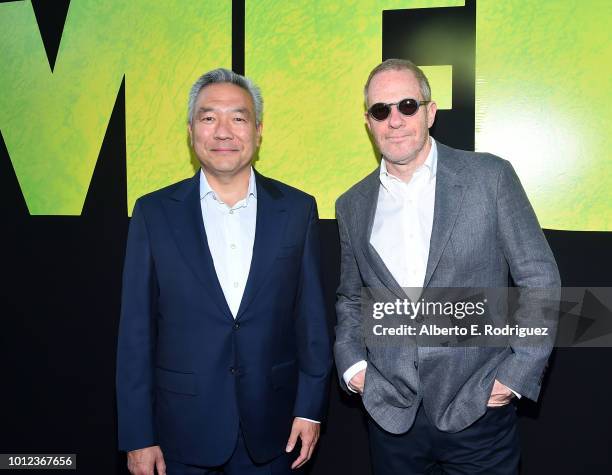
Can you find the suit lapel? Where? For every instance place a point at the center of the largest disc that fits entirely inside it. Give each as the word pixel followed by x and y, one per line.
pixel 269 229
pixel 450 190
pixel 369 200
pixel 185 215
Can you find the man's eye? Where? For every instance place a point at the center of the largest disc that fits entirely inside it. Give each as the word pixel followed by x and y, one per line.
pixel 239 119
pixel 207 118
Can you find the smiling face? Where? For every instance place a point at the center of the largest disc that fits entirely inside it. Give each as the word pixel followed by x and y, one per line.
pixel 223 132
pixel 401 139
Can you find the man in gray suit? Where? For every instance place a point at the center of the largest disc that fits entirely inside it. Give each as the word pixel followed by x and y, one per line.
pixel 432 216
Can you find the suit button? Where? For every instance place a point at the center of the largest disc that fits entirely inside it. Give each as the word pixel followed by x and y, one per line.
pixel 416 365
pixel 233 370
pixel 236 326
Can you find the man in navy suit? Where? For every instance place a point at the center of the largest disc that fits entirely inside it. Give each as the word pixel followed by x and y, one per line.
pixel 223 356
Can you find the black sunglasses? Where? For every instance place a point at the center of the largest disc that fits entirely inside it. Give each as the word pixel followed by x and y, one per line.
pixel 380 110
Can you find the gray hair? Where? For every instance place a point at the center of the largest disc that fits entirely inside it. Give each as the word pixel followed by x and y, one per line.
pixel 219 76
pixel 395 64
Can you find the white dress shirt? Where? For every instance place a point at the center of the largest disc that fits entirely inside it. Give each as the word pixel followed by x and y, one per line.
pixel 402 227
pixel 403 221
pixel 230 232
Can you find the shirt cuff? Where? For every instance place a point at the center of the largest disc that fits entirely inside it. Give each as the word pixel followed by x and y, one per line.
pixel 309 420
pixel 515 393
pixel 352 371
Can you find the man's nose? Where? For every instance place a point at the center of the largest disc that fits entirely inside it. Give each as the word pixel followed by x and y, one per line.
pixel 396 118
pixel 223 130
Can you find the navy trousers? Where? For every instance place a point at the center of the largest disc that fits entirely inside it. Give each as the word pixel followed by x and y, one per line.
pixel 240 463
pixel 489 446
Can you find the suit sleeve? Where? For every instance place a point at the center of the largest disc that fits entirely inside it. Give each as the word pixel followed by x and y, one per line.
pixel 313 340
pixel 136 343
pixel 349 347
pixel 535 273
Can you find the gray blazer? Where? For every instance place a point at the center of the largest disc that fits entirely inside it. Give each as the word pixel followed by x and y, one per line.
pixel 483 230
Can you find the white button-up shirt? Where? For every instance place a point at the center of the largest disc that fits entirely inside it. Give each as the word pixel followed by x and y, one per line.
pixel 230 232
pixel 402 227
pixel 403 221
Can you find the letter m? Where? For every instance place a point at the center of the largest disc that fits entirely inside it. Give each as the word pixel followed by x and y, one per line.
pixel 53 123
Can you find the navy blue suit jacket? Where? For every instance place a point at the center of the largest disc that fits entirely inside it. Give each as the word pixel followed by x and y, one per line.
pixel 188 373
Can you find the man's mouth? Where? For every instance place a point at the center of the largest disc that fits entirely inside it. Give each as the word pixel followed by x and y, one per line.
pixel 397 138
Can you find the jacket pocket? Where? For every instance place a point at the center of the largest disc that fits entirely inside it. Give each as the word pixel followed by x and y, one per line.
pixel 175 381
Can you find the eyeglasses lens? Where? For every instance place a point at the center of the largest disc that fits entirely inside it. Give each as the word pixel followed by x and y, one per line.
pixel 381 111
pixel 408 106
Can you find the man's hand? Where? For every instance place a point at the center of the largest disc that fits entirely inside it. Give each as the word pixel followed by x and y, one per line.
pixel 500 395
pixel 144 461
pixel 308 432
pixel 358 381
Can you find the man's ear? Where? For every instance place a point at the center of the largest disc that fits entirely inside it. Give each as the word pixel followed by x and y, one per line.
pixel 259 131
pixel 367 120
pixel 432 108
pixel 190 134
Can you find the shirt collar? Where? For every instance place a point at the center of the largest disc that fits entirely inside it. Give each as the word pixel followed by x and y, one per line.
pixel 205 188
pixel 430 165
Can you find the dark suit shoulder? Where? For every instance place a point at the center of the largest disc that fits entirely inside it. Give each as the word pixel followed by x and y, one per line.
pixel 363 187
pixel 483 159
pixel 279 188
pixel 166 191
pixel 480 165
